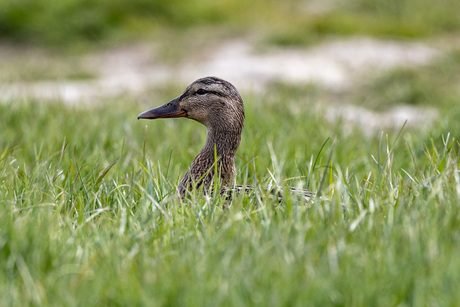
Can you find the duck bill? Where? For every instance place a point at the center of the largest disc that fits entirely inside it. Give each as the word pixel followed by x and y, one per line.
pixel 168 110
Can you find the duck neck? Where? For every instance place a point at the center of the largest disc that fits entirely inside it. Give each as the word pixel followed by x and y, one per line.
pixel 223 143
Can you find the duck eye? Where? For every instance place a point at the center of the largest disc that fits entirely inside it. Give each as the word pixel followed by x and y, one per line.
pixel 201 91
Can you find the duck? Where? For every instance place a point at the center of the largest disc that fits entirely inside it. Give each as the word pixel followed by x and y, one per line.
pixel 216 104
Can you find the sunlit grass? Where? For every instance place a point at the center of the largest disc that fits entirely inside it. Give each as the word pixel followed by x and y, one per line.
pixel 89 213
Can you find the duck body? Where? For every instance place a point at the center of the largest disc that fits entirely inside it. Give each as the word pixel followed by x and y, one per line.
pixel 216 104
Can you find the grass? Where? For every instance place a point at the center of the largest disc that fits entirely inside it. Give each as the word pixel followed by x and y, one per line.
pixel 29 66
pixel 77 229
pixel 88 212
pixel 434 84
pixel 76 23
pixel 407 19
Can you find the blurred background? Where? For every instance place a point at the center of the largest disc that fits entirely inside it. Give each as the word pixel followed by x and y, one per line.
pixel 376 62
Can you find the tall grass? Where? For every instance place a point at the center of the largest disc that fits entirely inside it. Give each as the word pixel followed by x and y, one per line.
pixel 79 227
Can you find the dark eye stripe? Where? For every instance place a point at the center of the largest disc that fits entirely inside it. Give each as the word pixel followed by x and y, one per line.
pixel 203 92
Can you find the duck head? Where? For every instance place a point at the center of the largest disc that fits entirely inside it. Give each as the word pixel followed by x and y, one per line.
pixel 210 101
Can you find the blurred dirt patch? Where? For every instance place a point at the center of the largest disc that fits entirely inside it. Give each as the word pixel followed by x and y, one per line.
pixel 335 66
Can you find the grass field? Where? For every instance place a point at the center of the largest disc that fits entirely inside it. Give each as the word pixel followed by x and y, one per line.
pixel 76 23
pixel 77 230
pixel 88 209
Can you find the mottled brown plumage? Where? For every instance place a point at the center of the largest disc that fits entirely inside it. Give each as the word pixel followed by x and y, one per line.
pixel 216 104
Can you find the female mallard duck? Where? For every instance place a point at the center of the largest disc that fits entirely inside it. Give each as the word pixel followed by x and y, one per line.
pixel 216 104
